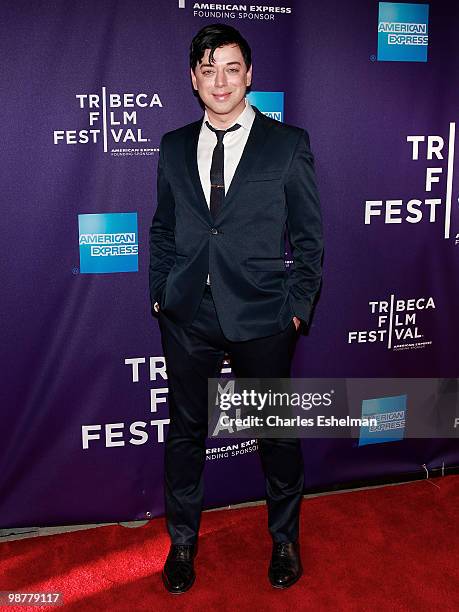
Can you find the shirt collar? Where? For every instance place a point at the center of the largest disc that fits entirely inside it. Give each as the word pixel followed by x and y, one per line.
pixel 245 119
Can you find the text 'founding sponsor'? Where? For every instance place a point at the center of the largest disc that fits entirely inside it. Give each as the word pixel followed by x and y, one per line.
pixel 251 12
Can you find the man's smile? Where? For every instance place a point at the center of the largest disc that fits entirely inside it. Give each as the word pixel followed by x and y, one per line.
pixel 222 97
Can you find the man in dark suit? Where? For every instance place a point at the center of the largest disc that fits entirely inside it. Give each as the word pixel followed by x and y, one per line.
pixel 230 185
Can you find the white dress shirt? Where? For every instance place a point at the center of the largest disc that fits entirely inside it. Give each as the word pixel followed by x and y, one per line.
pixel 233 142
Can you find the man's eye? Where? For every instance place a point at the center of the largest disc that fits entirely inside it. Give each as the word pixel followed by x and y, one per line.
pixel 234 69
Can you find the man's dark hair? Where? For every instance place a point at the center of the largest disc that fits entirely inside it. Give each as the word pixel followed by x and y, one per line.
pixel 217 35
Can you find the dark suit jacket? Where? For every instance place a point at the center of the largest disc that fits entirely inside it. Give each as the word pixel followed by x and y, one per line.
pixel 273 190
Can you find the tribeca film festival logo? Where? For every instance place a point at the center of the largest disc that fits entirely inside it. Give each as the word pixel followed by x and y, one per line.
pixel 108 243
pixel 136 433
pixel 221 10
pixel 152 371
pixel 396 324
pixel 112 122
pixel 403 32
pixel 417 210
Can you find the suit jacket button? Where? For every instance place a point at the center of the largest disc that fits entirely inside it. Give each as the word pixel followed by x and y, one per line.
pixel 214 230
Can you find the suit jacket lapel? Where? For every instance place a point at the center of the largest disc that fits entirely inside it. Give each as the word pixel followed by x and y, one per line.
pixel 192 165
pixel 252 150
pixel 250 153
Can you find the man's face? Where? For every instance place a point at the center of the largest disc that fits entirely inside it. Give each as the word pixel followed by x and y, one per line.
pixel 222 84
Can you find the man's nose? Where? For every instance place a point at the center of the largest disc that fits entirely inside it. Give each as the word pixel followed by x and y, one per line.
pixel 220 78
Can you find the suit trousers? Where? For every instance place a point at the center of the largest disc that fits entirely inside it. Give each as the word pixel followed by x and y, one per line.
pixel 193 355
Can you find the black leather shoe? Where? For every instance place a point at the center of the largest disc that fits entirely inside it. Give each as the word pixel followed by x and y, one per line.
pixel 178 572
pixel 285 567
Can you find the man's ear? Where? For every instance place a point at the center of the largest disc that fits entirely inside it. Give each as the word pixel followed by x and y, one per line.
pixel 193 79
pixel 248 78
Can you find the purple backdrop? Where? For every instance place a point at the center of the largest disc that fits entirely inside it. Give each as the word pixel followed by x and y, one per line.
pixel 81 350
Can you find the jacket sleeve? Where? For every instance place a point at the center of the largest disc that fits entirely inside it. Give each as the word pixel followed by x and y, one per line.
pixel 162 233
pixel 304 227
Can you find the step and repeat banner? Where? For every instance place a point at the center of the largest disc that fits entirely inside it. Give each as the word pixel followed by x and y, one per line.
pixel 88 89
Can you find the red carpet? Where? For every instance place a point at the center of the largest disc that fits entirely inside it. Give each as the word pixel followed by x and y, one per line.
pixel 393 548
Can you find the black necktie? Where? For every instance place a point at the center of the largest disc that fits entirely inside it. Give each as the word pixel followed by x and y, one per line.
pixel 217 181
